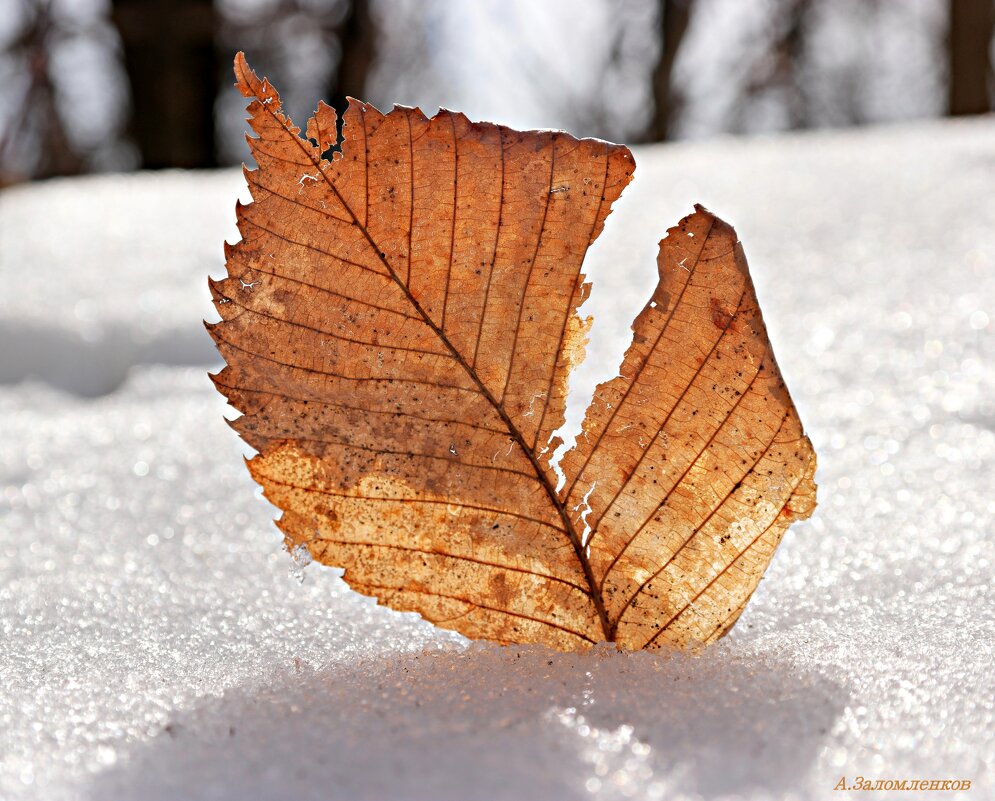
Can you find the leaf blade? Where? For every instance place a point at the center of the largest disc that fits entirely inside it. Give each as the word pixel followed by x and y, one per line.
pixel 399 324
pixel 383 208
pixel 678 440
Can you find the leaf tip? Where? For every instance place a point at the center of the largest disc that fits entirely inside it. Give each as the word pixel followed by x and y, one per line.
pixel 213 284
pixel 248 83
pixel 243 72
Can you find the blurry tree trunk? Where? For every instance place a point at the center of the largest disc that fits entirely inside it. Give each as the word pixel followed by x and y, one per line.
pixel 673 16
pixel 35 143
pixel 357 37
pixel 171 60
pixel 778 68
pixel 972 23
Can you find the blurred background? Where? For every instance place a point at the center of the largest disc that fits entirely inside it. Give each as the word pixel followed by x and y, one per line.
pixel 117 85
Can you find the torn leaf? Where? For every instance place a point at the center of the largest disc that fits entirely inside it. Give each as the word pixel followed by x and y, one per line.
pixel 401 366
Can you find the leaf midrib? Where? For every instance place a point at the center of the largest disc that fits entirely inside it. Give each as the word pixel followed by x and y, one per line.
pixel 568 526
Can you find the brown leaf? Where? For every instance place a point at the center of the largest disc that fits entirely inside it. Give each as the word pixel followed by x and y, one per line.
pixel 399 324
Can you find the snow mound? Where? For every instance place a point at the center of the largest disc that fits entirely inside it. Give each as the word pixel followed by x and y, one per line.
pixel 156 644
pixel 110 273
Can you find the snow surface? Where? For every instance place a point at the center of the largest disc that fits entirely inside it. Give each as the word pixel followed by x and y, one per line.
pixel 155 643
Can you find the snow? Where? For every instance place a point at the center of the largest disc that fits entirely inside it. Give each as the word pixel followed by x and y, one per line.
pixel 109 273
pixel 155 643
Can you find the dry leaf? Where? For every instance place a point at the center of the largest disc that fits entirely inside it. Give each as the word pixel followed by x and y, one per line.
pixel 399 324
